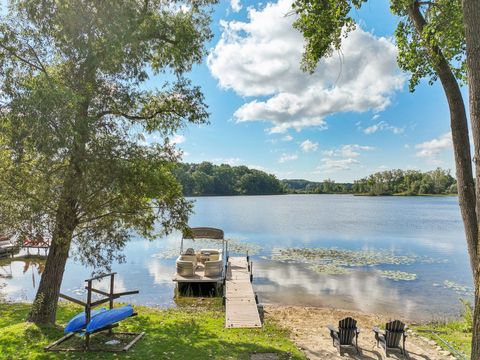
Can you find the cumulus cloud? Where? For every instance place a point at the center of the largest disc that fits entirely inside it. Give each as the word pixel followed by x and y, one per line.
pixel 383 126
pixel 178 139
pixel 235 5
pixel 342 158
pixel 261 57
pixel 332 165
pixel 431 149
pixel 348 150
pixel 309 146
pixel 287 157
pixel 234 161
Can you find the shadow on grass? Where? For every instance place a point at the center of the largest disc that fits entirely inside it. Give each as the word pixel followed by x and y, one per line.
pixel 204 337
pixel 170 334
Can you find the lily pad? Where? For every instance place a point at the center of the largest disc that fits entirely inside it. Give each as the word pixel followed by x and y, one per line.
pixel 340 261
pixel 459 288
pixel 396 275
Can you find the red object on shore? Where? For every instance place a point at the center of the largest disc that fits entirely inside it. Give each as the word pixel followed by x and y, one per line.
pixel 38 242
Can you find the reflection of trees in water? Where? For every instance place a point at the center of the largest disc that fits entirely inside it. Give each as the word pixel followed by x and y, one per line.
pixel 38 263
pixel 29 262
pixel 6 271
pixel 2 294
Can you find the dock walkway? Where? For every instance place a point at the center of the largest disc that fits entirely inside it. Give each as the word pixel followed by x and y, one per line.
pixel 240 305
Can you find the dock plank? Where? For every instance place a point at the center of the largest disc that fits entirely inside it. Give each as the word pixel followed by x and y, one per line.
pixel 240 306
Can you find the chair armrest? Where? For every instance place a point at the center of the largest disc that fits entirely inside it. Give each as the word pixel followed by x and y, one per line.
pixel 332 328
pixel 358 331
pixel 377 330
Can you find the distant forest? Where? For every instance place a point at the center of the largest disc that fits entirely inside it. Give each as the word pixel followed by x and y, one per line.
pixel 390 182
pixel 208 179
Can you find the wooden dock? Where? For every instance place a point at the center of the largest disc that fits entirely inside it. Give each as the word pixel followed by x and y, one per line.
pixel 240 305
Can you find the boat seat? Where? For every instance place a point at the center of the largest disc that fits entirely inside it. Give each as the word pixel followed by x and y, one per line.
pixel 191 258
pixel 210 251
pixel 185 268
pixel 189 251
pixel 214 257
pixel 213 268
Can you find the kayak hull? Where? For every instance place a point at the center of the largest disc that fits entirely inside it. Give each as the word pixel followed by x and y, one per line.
pixel 78 322
pixel 109 317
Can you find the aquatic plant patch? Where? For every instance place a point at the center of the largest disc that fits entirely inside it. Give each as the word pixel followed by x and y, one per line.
pixel 338 261
pixel 396 275
pixel 330 269
pixel 342 257
pixel 460 289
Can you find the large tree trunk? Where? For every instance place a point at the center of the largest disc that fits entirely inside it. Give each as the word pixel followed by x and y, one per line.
pixel 471 16
pixel 44 307
pixel 461 141
pixel 469 204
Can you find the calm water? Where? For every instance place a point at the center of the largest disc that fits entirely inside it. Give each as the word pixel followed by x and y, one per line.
pixel 423 226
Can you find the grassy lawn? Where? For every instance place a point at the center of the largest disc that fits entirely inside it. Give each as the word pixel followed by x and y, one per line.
pixel 454 332
pixel 193 331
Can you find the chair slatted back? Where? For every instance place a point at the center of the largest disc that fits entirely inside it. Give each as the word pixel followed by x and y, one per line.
pixel 346 330
pixel 393 333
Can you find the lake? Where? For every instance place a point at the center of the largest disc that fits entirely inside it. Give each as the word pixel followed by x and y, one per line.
pixel 410 254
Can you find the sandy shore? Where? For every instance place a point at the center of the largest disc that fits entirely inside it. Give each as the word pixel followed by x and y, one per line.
pixel 308 326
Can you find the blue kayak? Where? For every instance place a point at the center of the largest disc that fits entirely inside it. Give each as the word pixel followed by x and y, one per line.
pixel 109 317
pixel 79 321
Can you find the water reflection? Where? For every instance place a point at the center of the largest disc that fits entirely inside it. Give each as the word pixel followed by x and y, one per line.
pixel 278 282
pixel 21 273
pixel 427 227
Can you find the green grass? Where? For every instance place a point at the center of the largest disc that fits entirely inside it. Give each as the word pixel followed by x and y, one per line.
pixel 454 332
pixel 189 332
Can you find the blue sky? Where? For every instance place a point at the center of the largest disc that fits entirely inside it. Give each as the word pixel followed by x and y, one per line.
pixel 351 118
pixel 344 142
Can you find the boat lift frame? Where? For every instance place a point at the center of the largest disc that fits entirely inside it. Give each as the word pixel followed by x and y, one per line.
pixel 89 305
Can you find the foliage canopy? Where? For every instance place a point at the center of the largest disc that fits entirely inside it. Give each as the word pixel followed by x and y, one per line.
pixel 74 113
pixel 325 22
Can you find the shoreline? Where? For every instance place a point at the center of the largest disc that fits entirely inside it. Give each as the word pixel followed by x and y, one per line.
pixel 304 326
pixel 308 327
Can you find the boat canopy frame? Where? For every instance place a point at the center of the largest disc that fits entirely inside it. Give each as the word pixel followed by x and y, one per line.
pixel 205 233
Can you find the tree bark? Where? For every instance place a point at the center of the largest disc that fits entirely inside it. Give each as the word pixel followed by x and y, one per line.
pixel 44 307
pixel 471 16
pixel 460 138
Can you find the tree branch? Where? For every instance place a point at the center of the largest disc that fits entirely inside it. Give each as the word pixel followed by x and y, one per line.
pixel 21 58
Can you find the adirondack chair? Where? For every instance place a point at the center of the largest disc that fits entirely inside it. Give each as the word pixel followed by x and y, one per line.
pixel 345 334
pixel 390 339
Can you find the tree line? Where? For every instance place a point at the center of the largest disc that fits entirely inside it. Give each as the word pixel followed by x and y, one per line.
pixel 208 179
pixel 409 182
pixel 389 182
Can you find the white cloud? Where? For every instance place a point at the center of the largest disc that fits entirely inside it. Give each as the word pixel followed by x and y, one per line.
pixel 332 165
pixel 431 149
pixel 287 157
pixel 229 161
pixel 258 167
pixel 235 5
pixel 381 126
pixel 178 139
pixel 287 138
pixel 309 146
pixel 261 57
pixel 349 150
